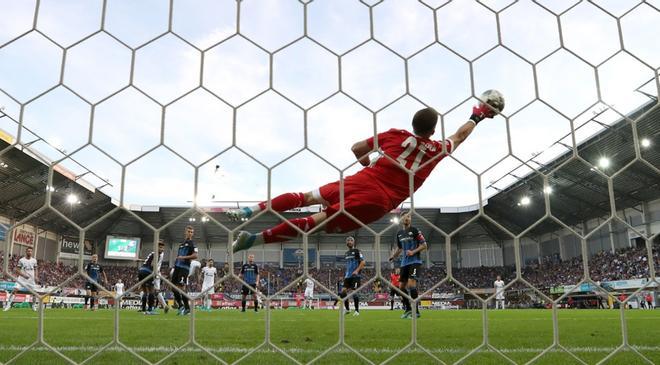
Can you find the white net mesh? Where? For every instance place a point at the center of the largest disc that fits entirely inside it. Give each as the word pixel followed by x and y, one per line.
pixel 188 105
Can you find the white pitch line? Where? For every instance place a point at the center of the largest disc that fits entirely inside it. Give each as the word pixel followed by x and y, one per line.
pixel 168 349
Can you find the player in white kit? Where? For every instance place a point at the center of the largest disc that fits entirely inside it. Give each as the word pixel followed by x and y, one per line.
pixel 119 291
pixel 157 289
pixel 26 273
pixel 309 293
pixel 208 272
pixel 499 293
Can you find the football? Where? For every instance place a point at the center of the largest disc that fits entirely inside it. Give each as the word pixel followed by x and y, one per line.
pixel 493 98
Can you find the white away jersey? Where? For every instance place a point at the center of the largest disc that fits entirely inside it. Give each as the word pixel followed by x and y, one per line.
pixel 28 266
pixel 310 284
pixel 209 275
pixel 499 287
pixel 119 287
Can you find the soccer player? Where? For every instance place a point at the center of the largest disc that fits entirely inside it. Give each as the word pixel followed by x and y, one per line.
pixel 119 290
pixel 27 274
pixel 157 287
pixel 309 294
pixel 373 191
pixel 410 241
pixel 94 271
pixel 354 265
pixel 499 292
pixel 148 291
pixel 186 253
pixel 249 274
pixel 394 279
pixel 208 285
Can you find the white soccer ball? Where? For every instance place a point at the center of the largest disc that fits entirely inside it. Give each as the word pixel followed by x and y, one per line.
pixel 493 98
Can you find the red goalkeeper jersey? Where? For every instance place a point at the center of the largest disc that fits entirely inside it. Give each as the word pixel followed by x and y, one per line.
pixel 409 151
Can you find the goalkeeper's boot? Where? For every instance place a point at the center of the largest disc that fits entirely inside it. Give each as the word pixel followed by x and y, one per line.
pixel 238 214
pixel 244 241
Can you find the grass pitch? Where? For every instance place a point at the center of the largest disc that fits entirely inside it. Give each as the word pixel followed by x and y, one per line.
pixel 229 335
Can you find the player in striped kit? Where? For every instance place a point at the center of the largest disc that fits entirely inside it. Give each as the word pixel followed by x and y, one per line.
pixel 94 271
pixel 186 253
pixel 148 286
pixel 410 241
pixel 249 274
pixel 354 265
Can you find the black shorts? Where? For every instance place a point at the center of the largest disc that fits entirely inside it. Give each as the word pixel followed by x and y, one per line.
pixel 91 286
pixel 248 289
pixel 180 276
pixel 143 274
pixel 394 292
pixel 412 271
pixel 352 282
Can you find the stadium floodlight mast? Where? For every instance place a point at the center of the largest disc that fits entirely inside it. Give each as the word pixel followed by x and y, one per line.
pixel 524 201
pixel 645 142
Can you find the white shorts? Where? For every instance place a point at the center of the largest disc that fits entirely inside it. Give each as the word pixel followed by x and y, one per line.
pixel 24 284
pixel 157 284
pixel 210 287
pixel 309 293
pixel 500 296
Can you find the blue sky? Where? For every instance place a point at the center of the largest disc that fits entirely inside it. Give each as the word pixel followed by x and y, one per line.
pixel 165 101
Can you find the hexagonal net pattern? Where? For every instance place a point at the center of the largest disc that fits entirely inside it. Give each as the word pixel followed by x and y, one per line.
pixel 347 66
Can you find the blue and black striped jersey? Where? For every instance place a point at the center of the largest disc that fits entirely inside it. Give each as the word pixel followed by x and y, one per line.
pixel 185 249
pixel 353 258
pixel 250 272
pixel 94 270
pixel 147 265
pixel 410 239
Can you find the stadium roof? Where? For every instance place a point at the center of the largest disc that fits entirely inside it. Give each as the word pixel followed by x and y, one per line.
pixel 579 192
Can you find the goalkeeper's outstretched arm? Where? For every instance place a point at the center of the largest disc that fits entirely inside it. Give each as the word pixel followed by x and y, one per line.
pixel 479 113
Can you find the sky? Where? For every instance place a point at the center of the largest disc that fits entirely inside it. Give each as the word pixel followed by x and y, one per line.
pixel 121 93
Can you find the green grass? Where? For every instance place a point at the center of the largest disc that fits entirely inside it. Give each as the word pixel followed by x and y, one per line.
pixel 304 335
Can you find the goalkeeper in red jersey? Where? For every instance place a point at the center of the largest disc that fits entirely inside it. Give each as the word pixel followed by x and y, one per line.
pixel 376 189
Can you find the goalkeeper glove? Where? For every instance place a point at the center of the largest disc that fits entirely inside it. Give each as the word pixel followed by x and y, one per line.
pixel 481 112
